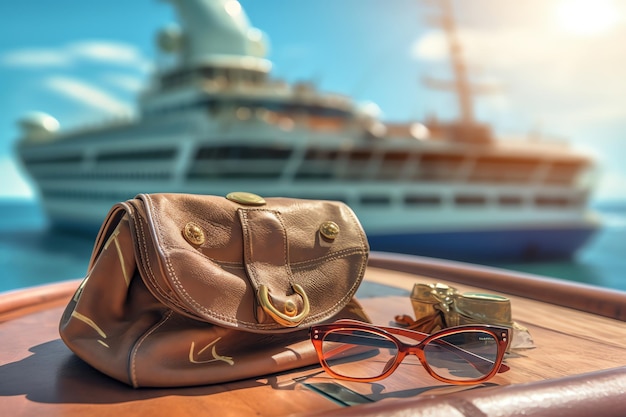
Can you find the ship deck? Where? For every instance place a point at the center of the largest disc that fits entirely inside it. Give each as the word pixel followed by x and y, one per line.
pixel 577 367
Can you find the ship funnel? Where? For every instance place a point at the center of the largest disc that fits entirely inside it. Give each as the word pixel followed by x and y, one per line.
pixel 215 32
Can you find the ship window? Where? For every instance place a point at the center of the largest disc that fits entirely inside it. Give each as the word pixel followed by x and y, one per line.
pixel 503 169
pixel 327 197
pixel 313 175
pixel 325 111
pixel 422 200
pixel 87 195
pixel 176 78
pixel 59 159
pixel 243 153
pixel 392 165
pixel 255 162
pixel 213 106
pixel 360 155
pixel 375 200
pixel 283 108
pixel 250 175
pixel 236 172
pixel 470 200
pixel 563 172
pixel 131 174
pixel 257 77
pixel 395 157
pixel 137 155
pixel 208 72
pixel 321 155
pixel 551 201
pixel 317 164
pixel 356 167
pixel 438 166
pixel 301 108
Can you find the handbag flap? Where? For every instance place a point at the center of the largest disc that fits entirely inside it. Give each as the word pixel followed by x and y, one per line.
pixel 276 266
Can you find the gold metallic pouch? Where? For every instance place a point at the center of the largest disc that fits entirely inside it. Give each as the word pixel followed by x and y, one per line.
pixel 437 306
pixel 479 308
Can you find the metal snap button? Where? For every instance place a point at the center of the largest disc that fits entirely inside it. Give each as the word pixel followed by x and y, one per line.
pixel 330 230
pixel 247 199
pixel 193 234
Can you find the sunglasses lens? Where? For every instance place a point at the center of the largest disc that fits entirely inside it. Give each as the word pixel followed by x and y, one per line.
pixel 358 354
pixel 466 356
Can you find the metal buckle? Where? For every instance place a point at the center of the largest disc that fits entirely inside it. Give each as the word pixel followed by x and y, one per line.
pixel 290 318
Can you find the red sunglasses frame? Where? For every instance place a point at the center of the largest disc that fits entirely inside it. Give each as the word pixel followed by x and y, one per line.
pixel 500 334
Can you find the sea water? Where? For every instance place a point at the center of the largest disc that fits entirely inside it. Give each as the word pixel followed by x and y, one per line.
pixel 32 254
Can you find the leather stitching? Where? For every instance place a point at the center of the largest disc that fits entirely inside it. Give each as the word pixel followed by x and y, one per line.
pixel 135 349
pixel 253 325
pixel 328 257
pixel 251 264
pixel 246 230
pixel 151 275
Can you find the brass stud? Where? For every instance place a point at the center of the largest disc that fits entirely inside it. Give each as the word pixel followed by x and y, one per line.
pixel 193 234
pixel 330 230
pixel 247 199
pixel 290 308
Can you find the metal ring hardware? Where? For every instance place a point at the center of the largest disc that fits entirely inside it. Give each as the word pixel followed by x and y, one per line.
pixel 290 318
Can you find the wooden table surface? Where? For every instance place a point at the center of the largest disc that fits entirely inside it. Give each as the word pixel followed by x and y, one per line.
pixel 40 376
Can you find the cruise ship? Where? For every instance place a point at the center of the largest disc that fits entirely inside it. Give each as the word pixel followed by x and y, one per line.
pixel 215 121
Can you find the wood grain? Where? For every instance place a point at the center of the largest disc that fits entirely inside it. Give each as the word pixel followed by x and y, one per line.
pixel 40 376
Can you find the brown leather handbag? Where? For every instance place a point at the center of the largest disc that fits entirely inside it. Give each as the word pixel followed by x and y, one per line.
pixel 190 290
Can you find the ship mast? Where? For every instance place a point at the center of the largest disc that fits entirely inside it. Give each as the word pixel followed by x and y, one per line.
pixel 460 84
pixel 461 79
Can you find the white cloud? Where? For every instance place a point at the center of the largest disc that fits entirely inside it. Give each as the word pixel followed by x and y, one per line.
pixel 125 82
pixel 108 52
pixel 122 69
pixel 562 78
pixel 35 57
pixel 87 94
pixel 430 47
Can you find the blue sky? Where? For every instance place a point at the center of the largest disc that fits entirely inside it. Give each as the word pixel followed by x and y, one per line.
pixel 558 65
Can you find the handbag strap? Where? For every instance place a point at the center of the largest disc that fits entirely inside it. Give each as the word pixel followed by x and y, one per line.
pixel 266 260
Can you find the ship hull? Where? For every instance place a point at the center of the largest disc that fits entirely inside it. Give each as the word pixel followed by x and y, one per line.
pixel 527 242
pixel 478 245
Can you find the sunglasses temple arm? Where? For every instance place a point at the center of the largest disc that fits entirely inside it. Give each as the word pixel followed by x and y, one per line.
pixel 469 356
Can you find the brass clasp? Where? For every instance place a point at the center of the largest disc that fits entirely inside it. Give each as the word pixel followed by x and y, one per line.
pixel 290 318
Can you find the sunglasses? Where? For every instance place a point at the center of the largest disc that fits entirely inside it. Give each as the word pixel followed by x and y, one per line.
pixel 356 351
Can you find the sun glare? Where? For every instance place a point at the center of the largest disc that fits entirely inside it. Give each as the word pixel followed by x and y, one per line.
pixel 587 17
